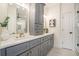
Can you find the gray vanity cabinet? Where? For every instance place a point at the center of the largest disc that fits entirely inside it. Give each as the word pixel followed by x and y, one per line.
pixel 27 53
pixel 15 50
pixel 39 47
pixel 34 42
pixel 47 47
pixel 0 52
pixel 36 47
pixel 51 41
pixel 47 44
pixel 43 39
pixel 36 18
pixel 34 51
pixel 43 49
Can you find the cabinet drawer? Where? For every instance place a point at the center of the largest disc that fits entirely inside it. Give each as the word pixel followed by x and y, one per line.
pixel 47 37
pixel 38 27
pixel 52 36
pixel 44 39
pixel 34 42
pixel 12 51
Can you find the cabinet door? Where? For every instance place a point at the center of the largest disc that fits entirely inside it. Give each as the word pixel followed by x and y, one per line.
pixel 39 50
pixel 39 13
pixel 15 50
pixel 51 42
pixel 0 52
pixel 35 42
pixel 34 51
pixel 47 46
pixel 43 49
pixel 27 53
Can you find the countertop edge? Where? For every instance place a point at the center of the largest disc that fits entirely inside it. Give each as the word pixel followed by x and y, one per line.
pixel 22 41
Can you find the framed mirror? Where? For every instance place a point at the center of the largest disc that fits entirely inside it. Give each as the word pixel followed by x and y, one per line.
pixel 21 20
pixel 18 14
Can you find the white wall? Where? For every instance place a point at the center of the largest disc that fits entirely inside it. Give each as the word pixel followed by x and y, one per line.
pixel 53 11
pixel 12 20
pixel 6 10
pixel 3 11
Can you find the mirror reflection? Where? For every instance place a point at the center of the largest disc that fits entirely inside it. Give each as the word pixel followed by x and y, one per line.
pixel 13 18
pixel 21 19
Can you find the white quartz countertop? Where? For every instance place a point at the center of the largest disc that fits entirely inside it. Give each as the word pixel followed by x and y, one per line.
pixel 14 41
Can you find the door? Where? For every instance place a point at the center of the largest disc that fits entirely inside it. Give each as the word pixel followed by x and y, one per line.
pixel 67 17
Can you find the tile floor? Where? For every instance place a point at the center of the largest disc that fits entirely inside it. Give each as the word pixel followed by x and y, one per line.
pixel 61 52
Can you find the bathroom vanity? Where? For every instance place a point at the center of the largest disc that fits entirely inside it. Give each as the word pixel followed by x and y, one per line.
pixel 36 43
pixel 31 46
